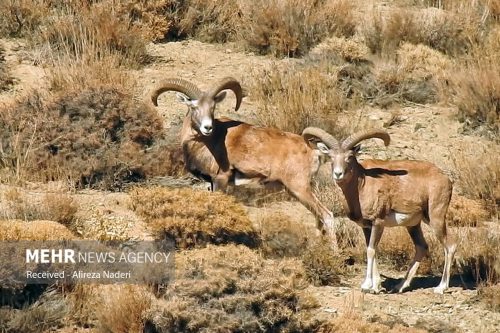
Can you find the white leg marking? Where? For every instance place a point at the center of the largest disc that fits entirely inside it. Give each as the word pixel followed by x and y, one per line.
pixel 370 258
pixel 445 279
pixel 409 276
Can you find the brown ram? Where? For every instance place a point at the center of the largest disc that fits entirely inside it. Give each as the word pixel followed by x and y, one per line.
pixel 223 151
pixel 388 194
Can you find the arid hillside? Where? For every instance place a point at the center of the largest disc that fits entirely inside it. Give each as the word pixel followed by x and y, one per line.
pixel 85 155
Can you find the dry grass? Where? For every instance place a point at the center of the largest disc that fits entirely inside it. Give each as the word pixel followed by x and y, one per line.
pixel 109 308
pixel 22 17
pixel 281 237
pixel 476 92
pixel 100 226
pixel 294 98
pixel 479 176
pixel 477 254
pixel 323 266
pixel 83 302
pixel 291 27
pixel 232 288
pixel 98 137
pixel 58 207
pixel 330 193
pixel 13 230
pixel 465 212
pixel 209 21
pixel 124 310
pixel 350 50
pixel 193 217
pixel 490 296
pixel 451 32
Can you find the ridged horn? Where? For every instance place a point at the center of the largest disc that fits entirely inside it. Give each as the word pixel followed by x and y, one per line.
pixel 325 137
pixel 175 84
pixel 356 138
pixel 232 84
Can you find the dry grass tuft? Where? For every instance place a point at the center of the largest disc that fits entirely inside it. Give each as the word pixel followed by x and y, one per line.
pixel 124 310
pixel 291 27
pixel 323 266
pixel 13 230
pixel 294 98
pixel 465 212
pixel 281 237
pixel 58 207
pixel 22 17
pixel 209 21
pixel 83 302
pixel 422 62
pixel 479 181
pixel 451 32
pixel 477 255
pixel 232 288
pixel 490 296
pixel 350 50
pixel 193 217
pixel 475 90
pixel 330 193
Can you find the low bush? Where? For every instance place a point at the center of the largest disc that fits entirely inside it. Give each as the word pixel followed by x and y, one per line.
pixel 98 137
pixel 290 27
pixel 490 296
pixel 56 207
pixel 13 230
pixel 294 98
pixel 124 310
pixel 281 237
pixel 479 181
pixel 232 288
pixel 322 265
pixel 192 217
pixel 465 212
pixel 452 32
pixel 475 91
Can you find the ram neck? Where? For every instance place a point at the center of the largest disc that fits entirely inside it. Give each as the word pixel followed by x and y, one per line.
pixel 351 190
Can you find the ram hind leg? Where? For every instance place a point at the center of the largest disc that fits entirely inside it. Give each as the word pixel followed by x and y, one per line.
pixel 421 249
pixel 438 206
pixel 305 195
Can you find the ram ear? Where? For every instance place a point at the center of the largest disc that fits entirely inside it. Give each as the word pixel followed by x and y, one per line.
pixel 186 100
pixel 220 97
pixel 323 148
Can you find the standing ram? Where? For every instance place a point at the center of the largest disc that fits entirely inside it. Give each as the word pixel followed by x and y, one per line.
pixel 223 151
pixel 388 194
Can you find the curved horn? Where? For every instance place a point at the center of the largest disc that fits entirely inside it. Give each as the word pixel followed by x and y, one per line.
pixel 229 83
pixel 175 84
pixel 356 138
pixel 324 136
